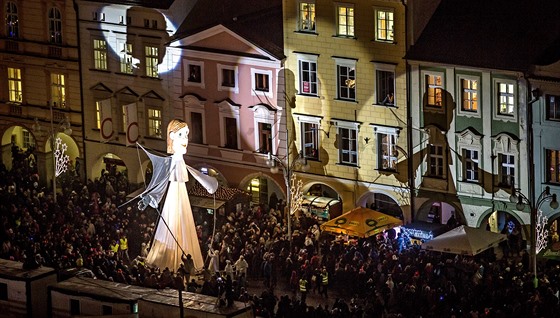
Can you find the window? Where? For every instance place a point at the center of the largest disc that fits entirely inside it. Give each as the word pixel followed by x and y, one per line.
pixel 98 114
pixel 384 25
pixel 469 95
pixel 507 169
pixel 55 26
pixel 14 85
pixel 28 140
pixel 265 138
pixel 12 20
pixel 58 91
pixel 434 90
pixel 310 140
pixel 306 16
pixel 385 84
pixel 552 107
pixel 348 146
pixel 231 133
pixel 228 78
pixel 470 159
pixel 506 99
pixel 100 54
pixel 386 149
pixel 152 58
pixel 146 23
pixel 126 58
pixel 261 82
pixel 194 74
pixel 229 125
pixel 436 161
pixel 346 79
pixel 154 122
pixel 345 20
pixel 195 127
pixel 154 24
pixel 307 74
pixel 553 166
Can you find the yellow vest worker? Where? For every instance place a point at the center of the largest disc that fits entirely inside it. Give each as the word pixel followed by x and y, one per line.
pixel 303 285
pixel 325 278
pixel 114 247
pixel 124 243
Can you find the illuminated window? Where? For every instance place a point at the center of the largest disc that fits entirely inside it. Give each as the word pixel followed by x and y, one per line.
pixel 12 20
pixel 152 58
pixel 345 20
pixel 506 99
pixel 307 16
pixel 154 122
pixel 126 58
pixel 386 143
pixel 55 26
pixel 434 90
pixel 307 74
pixel 552 107
pixel 384 25
pixel 100 54
pixel 346 79
pixel 470 164
pixel 14 85
pixel 98 114
pixel 469 95
pixel 552 166
pixel 58 90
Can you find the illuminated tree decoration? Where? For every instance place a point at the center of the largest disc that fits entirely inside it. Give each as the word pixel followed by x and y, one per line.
pixel 296 194
pixel 61 159
pixel 541 231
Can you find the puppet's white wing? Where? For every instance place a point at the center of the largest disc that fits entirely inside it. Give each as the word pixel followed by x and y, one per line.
pixel 208 182
pixel 158 184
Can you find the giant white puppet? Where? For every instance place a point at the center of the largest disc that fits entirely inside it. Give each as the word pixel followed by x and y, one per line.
pixel 176 231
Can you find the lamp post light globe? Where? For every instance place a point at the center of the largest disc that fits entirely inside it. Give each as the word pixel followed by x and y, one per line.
pixel 521 202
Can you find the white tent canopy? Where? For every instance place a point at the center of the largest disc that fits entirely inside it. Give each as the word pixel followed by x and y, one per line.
pixel 464 240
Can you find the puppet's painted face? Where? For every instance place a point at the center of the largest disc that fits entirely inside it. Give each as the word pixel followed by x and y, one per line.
pixel 180 140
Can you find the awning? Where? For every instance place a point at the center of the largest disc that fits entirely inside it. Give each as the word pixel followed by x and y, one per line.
pixel 319 202
pixel 206 203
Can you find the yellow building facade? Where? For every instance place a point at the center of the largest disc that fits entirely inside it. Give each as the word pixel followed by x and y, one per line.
pixel 347 102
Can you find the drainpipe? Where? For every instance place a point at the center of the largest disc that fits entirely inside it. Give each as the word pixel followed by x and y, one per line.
pixel 409 144
pixel 80 70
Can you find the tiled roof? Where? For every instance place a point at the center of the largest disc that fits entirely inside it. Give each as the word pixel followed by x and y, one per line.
pixel 258 21
pixel 495 34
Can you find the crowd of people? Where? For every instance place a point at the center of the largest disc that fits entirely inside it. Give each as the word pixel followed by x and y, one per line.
pixel 88 228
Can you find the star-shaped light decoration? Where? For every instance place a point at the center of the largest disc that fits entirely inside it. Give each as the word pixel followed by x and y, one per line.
pixel 60 158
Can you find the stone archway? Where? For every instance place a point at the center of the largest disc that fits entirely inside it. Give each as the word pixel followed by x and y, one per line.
pixel 262 188
pixel 381 202
pixel 440 212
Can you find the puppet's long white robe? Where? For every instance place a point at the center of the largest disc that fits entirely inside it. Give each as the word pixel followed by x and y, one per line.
pixel 177 213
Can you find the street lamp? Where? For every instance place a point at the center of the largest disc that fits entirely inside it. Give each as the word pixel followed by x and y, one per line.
pixel 275 165
pixel 60 158
pixel 521 201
